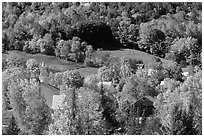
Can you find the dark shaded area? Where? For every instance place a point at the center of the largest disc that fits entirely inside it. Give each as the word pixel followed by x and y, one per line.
pixel 183 122
pixel 97 34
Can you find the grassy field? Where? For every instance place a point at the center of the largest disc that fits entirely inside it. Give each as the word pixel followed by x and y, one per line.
pixel 134 54
pixel 56 64
pixel 59 65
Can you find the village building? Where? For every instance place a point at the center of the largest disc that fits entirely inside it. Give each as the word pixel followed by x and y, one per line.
pixel 47 90
pixel 107 86
pixel 144 106
pixel 187 71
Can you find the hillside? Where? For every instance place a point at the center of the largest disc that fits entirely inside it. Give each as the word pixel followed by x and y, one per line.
pixel 119 68
pixel 134 54
pixel 58 65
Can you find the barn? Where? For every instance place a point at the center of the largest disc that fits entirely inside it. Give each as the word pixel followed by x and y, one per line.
pixel 143 106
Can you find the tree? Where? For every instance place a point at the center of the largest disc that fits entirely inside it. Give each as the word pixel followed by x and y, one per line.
pixel 91 79
pixel 72 78
pixel 125 68
pixel 32 114
pixel 178 107
pixel 33 68
pixel 34 46
pixel 46 44
pixel 152 38
pixel 105 74
pixel 90 113
pixel 32 64
pixel 63 49
pixel 65 118
pixel 128 34
pixel 186 49
pixel 56 79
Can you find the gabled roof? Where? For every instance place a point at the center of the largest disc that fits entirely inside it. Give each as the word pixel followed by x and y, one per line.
pixel 55 89
pixel 145 101
pixel 150 98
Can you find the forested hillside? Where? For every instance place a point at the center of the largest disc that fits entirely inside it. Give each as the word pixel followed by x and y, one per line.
pixel 171 30
pixel 150 52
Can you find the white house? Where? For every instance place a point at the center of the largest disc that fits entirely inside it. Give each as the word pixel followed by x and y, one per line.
pixel 110 92
pixel 108 86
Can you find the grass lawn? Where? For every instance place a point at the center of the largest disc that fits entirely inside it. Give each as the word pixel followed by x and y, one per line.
pixel 134 54
pixel 56 64
pixel 59 65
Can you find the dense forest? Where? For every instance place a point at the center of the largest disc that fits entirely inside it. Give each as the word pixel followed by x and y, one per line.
pixel 74 31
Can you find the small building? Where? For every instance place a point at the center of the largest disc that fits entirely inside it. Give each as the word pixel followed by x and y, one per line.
pixel 187 71
pixel 47 90
pixel 143 106
pixel 107 86
pixel 57 101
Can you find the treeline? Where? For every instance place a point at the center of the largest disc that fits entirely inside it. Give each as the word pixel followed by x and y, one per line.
pixel 168 30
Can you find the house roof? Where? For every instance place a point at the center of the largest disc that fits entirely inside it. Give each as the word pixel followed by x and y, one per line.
pixel 187 71
pixel 184 69
pixel 185 74
pixel 107 85
pixel 145 101
pixel 150 98
pixel 55 89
